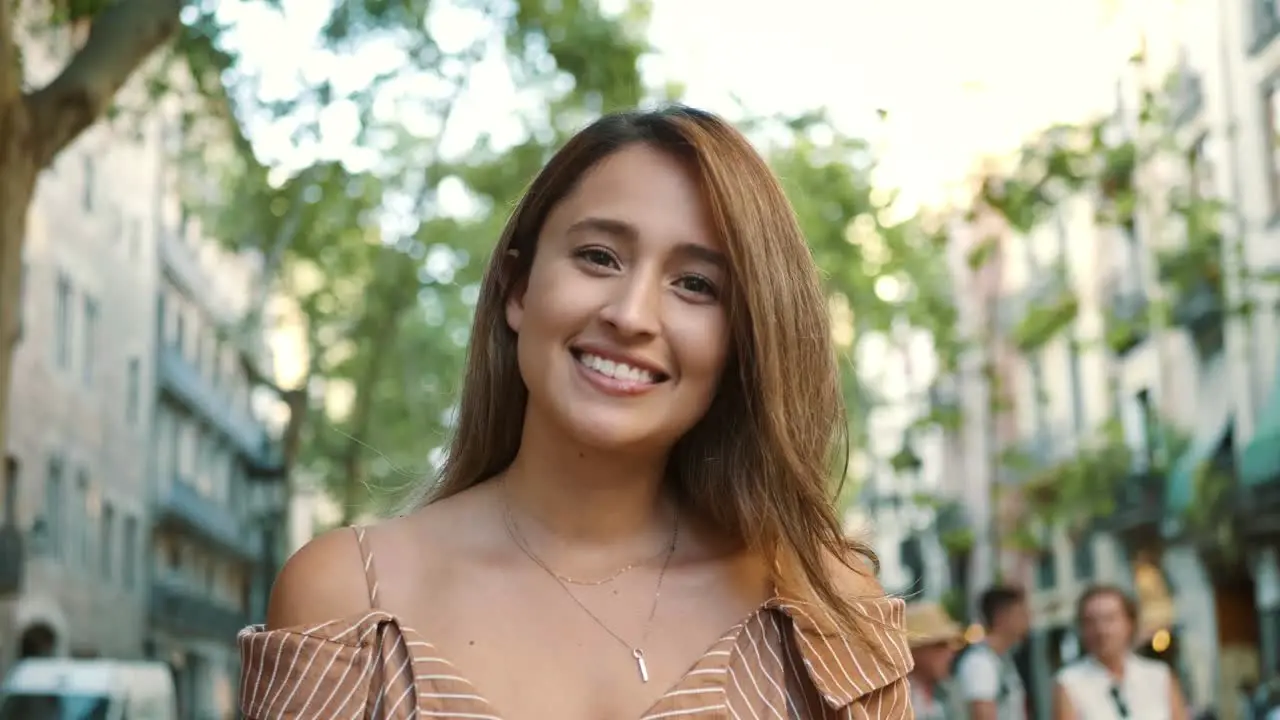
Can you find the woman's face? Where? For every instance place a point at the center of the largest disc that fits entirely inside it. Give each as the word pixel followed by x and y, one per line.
pixel 1106 628
pixel 622 330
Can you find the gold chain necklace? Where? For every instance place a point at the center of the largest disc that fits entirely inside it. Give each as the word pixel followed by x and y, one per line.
pixel 606 580
pixel 637 651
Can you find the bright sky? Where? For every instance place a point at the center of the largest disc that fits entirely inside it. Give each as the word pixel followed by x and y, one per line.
pixel 958 78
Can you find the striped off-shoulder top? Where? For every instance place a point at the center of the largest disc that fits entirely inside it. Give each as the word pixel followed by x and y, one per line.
pixel 776 663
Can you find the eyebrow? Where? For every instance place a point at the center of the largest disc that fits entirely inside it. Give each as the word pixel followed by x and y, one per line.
pixel 627 232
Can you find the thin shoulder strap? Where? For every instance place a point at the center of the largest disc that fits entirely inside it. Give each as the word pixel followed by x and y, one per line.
pixel 366 556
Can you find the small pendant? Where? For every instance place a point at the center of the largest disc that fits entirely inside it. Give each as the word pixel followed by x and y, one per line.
pixel 638 654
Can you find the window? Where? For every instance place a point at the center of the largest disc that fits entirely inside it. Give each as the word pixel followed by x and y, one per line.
pixel 1201 169
pixel 215 362
pixel 186 465
pixel 1046 569
pixel 1148 426
pixel 129 563
pixel 1270 145
pixel 173 555
pixel 107 542
pixel 1077 388
pixel 204 464
pixel 62 330
pixel 1082 558
pixel 88 343
pixel 179 329
pixel 133 389
pixel 84 517
pixel 1038 394
pixel 53 507
pixel 1266 22
pixel 11 469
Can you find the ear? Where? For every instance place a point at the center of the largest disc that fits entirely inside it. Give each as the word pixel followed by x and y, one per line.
pixel 515 297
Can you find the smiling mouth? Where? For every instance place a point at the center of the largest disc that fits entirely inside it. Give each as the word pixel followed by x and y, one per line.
pixel 618 371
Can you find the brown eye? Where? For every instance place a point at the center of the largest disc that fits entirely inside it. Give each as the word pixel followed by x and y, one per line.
pixel 698 284
pixel 597 256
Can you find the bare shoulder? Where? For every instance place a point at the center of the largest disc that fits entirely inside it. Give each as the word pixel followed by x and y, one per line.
pixel 322 581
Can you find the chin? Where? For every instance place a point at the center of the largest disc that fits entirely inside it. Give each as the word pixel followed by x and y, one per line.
pixel 624 435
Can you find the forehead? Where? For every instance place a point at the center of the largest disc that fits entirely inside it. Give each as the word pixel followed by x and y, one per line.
pixel 642 190
pixel 1103 604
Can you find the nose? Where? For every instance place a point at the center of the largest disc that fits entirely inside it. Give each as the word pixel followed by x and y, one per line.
pixel 634 308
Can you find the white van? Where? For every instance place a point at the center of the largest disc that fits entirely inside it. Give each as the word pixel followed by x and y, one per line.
pixel 67 689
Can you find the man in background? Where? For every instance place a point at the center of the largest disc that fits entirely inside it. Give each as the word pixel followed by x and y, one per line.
pixel 933 637
pixel 986 677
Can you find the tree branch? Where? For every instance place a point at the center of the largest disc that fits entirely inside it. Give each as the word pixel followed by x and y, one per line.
pixel 121 38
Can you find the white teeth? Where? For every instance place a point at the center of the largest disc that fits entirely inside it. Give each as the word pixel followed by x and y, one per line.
pixel 616 370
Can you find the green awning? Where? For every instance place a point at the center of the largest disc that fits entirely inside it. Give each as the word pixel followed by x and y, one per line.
pixel 1181 488
pixel 1260 460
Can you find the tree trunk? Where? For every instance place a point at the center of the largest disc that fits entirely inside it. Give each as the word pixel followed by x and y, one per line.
pixel 17 184
pixel 36 126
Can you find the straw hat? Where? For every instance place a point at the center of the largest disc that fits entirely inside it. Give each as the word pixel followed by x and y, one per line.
pixel 929 624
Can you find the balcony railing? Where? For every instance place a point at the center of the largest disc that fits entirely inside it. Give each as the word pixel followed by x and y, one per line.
pixel 1199 307
pixel 1027 459
pixel 181 505
pixel 1127 322
pixel 184 381
pixel 186 611
pixel 1139 502
pixel 1037 312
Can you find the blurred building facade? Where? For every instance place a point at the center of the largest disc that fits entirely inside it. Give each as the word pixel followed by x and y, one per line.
pixel 1251 53
pixel 218 488
pixel 901 464
pixel 1199 552
pixel 148 495
pixel 77 491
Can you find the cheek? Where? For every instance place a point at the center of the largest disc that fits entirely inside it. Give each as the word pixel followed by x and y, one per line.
pixel 701 342
pixel 546 306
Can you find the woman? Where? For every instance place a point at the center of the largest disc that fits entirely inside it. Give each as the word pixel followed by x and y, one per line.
pixel 635 518
pixel 1111 682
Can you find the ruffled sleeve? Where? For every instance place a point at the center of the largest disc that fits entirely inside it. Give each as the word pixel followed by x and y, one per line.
pixel 862 675
pixel 323 671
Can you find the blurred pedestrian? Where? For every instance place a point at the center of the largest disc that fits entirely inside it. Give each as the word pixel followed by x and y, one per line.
pixel 934 638
pixel 985 674
pixel 633 517
pixel 1111 682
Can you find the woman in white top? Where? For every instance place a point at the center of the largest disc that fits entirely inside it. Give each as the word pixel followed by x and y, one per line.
pixel 1111 682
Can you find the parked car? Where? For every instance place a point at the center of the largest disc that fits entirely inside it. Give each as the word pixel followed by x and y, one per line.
pixel 70 689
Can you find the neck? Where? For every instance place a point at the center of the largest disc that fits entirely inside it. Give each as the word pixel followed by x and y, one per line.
pixel 999 642
pixel 567 496
pixel 1114 664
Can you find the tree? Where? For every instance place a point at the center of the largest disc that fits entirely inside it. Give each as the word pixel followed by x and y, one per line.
pixel 548 40
pixel 38 123
pixel 380 272
pixel 861 240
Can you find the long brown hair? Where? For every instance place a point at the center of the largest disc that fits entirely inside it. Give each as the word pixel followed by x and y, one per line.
pixel 759 464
